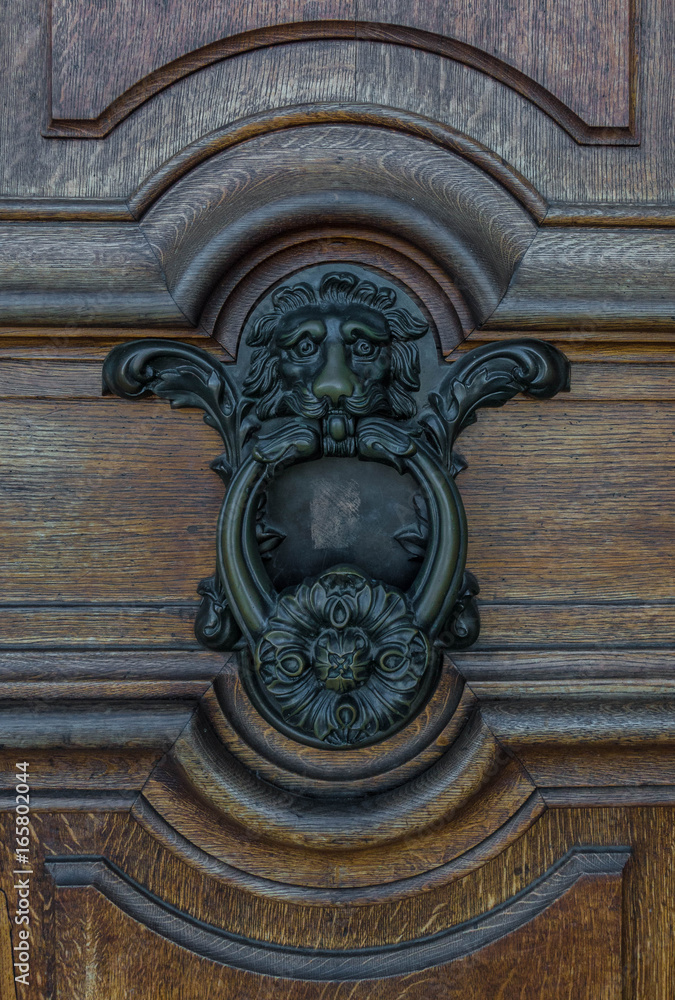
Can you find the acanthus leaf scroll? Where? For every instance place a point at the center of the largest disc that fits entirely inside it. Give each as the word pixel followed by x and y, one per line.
pixel 340 660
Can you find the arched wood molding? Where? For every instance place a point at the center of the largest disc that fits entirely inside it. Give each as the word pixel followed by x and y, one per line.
pixel 207 864
pixel 333 823
pixel 373 115
pixel 539 271
pixel 413 38
pixel 290 765
pixel 473 798
pixel 439 202
pixel 234 950
pixel 443 304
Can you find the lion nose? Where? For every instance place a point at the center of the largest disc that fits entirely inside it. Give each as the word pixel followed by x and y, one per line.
pixel 335 380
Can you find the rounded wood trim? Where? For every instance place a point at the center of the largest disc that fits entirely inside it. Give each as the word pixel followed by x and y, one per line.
pixel 473 798
pixel 447 209
pixel 273 887
pixel 297 767
pixel 338 824
pixel 373 115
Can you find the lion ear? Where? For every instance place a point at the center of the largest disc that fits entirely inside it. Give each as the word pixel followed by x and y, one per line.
pixel 290 297
pixel 385 299
pixel 262 332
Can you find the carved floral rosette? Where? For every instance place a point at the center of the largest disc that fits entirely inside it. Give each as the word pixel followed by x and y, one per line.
pixel 343 658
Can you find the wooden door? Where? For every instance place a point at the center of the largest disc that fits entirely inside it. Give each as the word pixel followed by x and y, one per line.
pixel 173 826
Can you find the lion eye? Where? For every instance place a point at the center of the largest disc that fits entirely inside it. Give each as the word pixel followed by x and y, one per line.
pixel 305 348
pixel 364 349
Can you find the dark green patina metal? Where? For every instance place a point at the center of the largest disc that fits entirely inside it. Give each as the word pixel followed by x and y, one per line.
pixel 339 659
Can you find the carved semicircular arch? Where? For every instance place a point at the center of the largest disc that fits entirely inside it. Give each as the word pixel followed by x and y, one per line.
pixel 447 206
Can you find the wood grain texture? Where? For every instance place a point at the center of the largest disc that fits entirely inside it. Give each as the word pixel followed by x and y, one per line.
pixel 648 901
pixel 594 268
pixel 589 916
pixel 573 51
pixel 76 271
pixel 470 763
pixel 50 667
pixel 427 84
pixel 436 200
pixel 7 984
pixel 206 897
pixel 523 668
pixel 99 627
pixel 68 462
pixel 601 496
pixel 585 872
pixel 389 75
pixel 561 64
pixel 151 37
pixel 422 858
pixel 593 277
pixel 322 113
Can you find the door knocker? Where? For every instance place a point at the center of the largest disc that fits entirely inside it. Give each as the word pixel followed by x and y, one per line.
pixel 330 370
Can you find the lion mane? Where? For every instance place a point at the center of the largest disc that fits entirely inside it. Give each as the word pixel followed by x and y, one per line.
pixel 341 288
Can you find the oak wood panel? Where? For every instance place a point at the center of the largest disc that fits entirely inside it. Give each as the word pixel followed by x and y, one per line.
pixel 50 380
pixel 95 484
pixel 650 891
pixel 523 668
pixel 570 55
pixel 647 831
pixel 388 75
pixel 103 771
pixel 428 84
pixel 594 268
pixel 36 167
pixel 588 914
pixel 44 666
pixel 604 767
pixel 579 479
pixel 533 625
pixel 145 37
pixel 99 626
pixel 579 51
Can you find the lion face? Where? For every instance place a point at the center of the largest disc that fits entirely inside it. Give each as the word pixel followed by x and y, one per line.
pixel 335 357
pixel 334 363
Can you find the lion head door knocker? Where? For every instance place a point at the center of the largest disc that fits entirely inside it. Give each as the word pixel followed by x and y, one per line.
pixel 330 370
